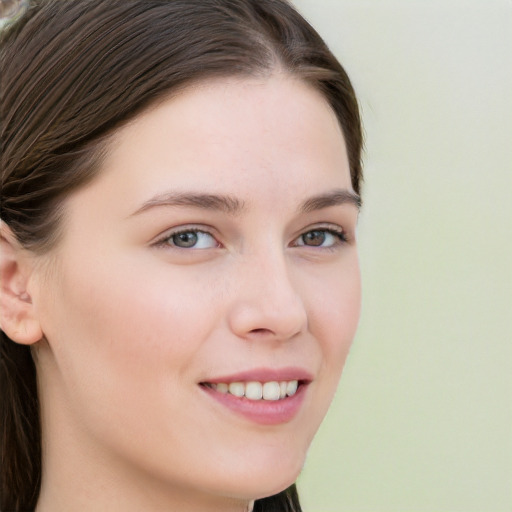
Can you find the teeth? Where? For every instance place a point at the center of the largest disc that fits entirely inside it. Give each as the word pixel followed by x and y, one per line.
pixel 282 389
pixel 271 391
pixel 222 388
pixel 291 387
pixel 257 390
pixel 254 391
pixel 237 388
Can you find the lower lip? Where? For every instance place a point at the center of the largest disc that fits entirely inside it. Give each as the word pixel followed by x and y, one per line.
pixel 264 412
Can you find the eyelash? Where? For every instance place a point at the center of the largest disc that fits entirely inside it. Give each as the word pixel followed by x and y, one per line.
pixel 164 241
pixel 338 233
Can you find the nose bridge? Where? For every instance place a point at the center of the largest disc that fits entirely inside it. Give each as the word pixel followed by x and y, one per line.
pixel 267 301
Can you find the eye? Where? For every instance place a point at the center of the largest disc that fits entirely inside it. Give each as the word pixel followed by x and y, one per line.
pixel 323 238
pixel 189 239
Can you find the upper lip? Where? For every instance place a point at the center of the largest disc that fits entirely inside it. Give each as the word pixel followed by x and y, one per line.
pixel 264 375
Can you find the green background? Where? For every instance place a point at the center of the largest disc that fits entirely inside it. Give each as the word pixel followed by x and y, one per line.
pixel 422 421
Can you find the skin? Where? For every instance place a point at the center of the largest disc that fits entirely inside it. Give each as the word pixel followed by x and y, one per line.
pixel 133 324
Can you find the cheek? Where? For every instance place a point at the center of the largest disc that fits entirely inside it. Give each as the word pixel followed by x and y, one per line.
pixel 334 316
pixel 120 332
pixel 335 305
pixel 126 353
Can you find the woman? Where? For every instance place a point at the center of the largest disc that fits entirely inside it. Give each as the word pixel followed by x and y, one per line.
pixel 180 281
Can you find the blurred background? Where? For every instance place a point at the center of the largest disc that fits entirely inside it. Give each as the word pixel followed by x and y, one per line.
pixel 422 421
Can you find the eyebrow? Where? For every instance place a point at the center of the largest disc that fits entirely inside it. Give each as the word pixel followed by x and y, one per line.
pixel 233 206
pixel 214 202
pixel 333 198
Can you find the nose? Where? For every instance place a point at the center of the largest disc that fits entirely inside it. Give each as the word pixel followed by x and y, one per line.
pixel 266 304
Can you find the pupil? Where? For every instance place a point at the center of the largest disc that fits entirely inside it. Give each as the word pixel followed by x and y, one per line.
pixel 314 238
pixel 188 239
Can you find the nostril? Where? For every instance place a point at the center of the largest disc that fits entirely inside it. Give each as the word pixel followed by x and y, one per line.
pixel 261 331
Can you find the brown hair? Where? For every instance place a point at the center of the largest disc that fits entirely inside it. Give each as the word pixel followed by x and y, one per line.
pixel 71 73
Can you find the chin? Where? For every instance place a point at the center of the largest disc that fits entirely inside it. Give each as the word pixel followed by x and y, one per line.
pixel 266 479
pixel 275 487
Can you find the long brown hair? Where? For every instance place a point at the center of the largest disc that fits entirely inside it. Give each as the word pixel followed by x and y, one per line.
pixel 71 73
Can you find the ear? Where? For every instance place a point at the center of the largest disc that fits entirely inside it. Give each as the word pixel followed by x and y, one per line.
pixel 17 313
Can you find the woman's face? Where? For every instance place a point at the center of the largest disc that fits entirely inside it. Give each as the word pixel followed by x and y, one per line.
pixel 216 246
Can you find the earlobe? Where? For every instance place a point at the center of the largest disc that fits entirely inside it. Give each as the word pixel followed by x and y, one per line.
pixel 17 313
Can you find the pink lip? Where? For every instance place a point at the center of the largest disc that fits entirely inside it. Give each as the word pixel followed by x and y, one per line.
pixel 263 412
pixel 265 375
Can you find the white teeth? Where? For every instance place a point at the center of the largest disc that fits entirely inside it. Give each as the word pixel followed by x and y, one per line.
pixel 222 388
pixel 291 387
pixel 271 391
pixel 237 388
pixel 253 390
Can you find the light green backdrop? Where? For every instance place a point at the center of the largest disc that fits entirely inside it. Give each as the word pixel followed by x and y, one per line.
pixel 423 418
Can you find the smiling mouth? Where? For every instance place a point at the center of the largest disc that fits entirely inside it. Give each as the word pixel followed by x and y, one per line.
pixel 255 391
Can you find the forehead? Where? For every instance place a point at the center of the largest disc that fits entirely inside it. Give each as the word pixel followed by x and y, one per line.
pixel 239 136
